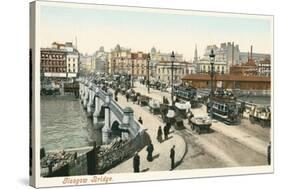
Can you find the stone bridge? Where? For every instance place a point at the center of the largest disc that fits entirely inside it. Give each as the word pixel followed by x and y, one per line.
pixel 108 117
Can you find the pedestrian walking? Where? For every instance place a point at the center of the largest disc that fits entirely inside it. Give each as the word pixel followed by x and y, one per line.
pixel 269 153
pixel 136 163
pixel 159 134
pixel 166 131
pixel 127 97
pixel 169 127
pixel 140 120
pixel 172 156
pixel 149 150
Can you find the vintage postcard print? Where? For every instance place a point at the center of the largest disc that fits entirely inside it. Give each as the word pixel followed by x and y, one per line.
pixel 122 94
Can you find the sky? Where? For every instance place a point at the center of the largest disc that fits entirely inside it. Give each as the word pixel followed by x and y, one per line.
pixel 141 30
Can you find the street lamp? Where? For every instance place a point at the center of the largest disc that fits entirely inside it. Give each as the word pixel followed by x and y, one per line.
pixel 147 69
pixel 114 66
pixel 132 74
pixel 212 73
pixel 172 71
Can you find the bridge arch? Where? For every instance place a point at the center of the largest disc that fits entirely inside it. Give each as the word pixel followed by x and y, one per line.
pixel 115 130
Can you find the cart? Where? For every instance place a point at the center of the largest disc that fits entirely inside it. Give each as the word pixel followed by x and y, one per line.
pixel 154 106
pixel 200 124
pixel 143 100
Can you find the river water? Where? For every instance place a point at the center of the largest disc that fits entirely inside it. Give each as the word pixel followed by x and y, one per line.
pixel 64 123
pixel 262 100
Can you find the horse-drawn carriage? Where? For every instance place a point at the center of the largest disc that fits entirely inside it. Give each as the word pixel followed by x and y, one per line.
pixel 143 100
pixel 182 108
pixel 154 106
pixel 260 115
pixel 200 124
pixel 170 116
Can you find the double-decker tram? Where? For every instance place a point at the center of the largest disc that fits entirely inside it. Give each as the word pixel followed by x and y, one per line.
pixel 224 108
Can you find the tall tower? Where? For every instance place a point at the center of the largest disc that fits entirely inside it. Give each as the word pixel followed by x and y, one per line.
pixel 195 55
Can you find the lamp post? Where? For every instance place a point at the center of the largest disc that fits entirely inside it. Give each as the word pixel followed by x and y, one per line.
pixel 172 72
pixel 212 73
pixel 114 66
pixel 132 75
pixel 147 68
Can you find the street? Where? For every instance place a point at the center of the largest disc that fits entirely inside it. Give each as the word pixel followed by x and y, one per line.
pixel 225 146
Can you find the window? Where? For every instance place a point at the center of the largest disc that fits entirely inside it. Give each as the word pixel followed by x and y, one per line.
pixel 68 70
pixel 73 69
pixel 73 65
pixel 73 59
pixel 68 59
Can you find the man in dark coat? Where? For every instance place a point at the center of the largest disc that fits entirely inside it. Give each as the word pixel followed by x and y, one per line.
pixel 136 163
pixel 166 131
pixel 140 120
pixel 172 156
pixel 127 97
pixel 269 153
pixel 149 150
pixel 159 134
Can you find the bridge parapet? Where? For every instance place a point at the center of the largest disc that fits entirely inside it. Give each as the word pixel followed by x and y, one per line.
pixel 107 112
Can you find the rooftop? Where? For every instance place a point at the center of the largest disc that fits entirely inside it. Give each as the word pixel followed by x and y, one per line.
pixel 226 77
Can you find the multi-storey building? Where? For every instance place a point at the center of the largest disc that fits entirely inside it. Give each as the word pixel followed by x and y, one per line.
pixel 118 60
pixel 226 55
pixel 264 68
pixel 60 61
pixel 180 69
pixel 86 64
pixel 53 62
pixel 100 61
pixel 122 60
pixel 157 57
pixel 138 65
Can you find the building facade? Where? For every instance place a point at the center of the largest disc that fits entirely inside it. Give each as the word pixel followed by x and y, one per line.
pixel 72 62
pixel 100 61
pixel 86 64
pixel 264 68
pixel 123 61
pixel 59 61
pixel 53 62
pixel 160 57
pixel 180 69
pixel 226 55
pixel 118 60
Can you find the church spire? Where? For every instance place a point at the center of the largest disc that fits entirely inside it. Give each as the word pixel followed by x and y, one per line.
pixel 195 54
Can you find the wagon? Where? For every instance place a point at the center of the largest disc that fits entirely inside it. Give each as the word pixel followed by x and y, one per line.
pixel 154 106
pixel 181 108
pixel 200 124
pixel 143 100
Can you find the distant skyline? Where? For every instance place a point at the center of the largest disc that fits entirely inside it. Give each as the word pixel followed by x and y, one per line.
pixel 141 30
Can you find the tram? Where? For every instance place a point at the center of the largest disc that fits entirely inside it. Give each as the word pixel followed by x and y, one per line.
pixel 188 94
pixel 224 108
